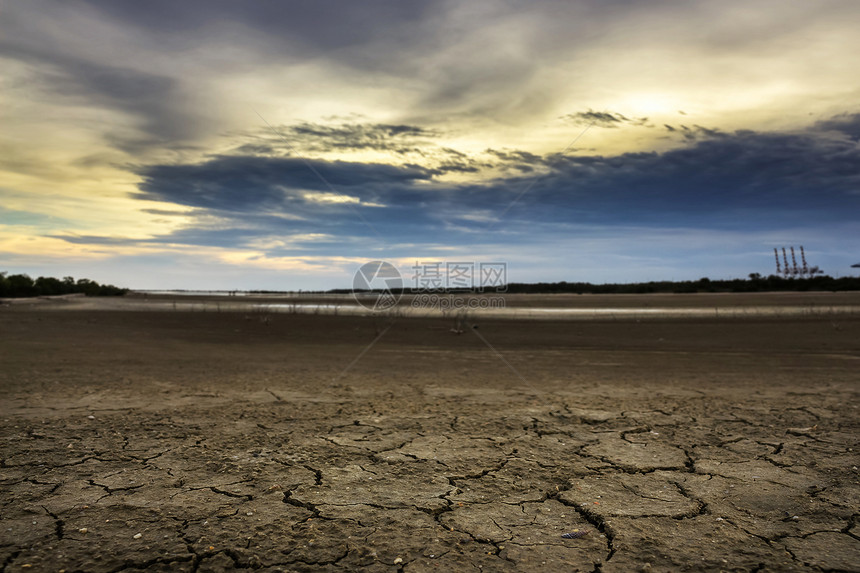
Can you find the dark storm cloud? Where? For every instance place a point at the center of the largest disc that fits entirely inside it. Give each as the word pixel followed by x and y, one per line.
pixel 604 119
pixel 737 180
pixel 361 133
pixel 400 139
pixel 418 143
pixel 515 156
pixel 521 161
pixel 846 123
pixel 760 178
pixel 238 199
pixel 692 133
pixel 718 172
pixel 248 184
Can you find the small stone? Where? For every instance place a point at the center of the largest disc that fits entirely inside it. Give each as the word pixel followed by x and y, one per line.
pixel 91 417
pixel 249 513
pixel 398 561
pixel 138 535
pixel 82 530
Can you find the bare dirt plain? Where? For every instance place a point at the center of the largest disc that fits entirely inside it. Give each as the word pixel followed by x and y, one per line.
pixel 177 441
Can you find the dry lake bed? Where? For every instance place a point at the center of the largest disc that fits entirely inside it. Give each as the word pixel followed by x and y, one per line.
pixel 182 440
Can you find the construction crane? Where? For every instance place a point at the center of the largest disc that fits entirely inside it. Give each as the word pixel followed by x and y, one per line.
pixel 794 270
pixel 804 271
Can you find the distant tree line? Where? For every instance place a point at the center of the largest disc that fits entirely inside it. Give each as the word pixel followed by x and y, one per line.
pixel 13 286
pixel 755 283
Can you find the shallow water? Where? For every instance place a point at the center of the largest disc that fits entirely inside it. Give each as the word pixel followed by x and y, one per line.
pixel 410 309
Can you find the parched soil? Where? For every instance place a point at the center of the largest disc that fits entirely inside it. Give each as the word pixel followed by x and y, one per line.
pixel 175 441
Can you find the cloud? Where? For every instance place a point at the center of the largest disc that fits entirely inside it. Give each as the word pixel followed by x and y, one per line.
pixel 303 25
pixel 166 212
pixel 336 199
pixel 241 184
pixel 847 124
pixel 14 217
pixel 135 124
pixel 354 136
pixel 522 161
pixel 743 179
pixel 397 144
pixel 604 119
pixel 586 212
pixel 692 133
pixel 153 100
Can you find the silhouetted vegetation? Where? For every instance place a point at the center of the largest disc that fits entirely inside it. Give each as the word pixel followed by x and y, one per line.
pixel 755 283
pixel 14 286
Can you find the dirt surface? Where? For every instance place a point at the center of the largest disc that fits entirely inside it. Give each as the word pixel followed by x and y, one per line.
pixel 173 441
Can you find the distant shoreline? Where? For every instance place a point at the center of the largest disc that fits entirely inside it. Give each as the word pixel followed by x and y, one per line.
pixel 542 307
pixel 768 285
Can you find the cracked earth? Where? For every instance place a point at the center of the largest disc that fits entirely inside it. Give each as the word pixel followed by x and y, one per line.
pixel 209 442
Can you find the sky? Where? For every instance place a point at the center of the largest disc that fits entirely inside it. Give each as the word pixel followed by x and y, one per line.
pixel 281 145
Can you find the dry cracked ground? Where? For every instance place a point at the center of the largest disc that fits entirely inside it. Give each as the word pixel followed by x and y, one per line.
pixel 210 442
